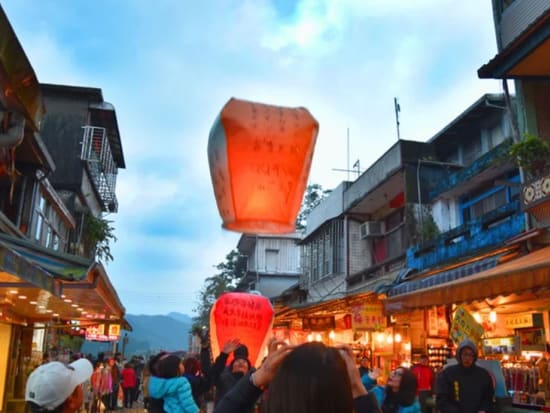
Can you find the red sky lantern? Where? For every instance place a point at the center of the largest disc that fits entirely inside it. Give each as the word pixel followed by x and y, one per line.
pixel 260 156
pixel 248 317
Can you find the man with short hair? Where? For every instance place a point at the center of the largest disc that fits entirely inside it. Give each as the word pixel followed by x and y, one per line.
pixel 55 387
pixel 465 387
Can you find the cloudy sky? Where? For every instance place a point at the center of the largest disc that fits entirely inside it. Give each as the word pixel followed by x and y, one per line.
pixel 169 66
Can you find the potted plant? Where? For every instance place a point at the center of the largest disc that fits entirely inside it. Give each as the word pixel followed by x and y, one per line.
pixel 533 155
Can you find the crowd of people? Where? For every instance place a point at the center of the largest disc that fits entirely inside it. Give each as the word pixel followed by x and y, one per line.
pixel 310 377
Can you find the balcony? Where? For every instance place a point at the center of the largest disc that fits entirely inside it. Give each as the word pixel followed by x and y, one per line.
pixel 535 198
pixel 96 152
pixel 468 239
pixel 488 166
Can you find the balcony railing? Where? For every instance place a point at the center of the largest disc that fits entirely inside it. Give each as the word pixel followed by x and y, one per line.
pixel 96 152
pixel 496 156
pixel 486 231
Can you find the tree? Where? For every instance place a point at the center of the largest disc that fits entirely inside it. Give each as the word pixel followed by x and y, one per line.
pixel 313 196
pixel 226 280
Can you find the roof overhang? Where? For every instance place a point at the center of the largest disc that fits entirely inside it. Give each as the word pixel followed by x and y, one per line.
pixel 525 275
pixel 18 82
pixel 527 56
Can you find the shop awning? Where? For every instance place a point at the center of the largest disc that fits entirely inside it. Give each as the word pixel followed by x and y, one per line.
pixel 530 272
pixel 444 277
pixel 65 267
pixel 17 271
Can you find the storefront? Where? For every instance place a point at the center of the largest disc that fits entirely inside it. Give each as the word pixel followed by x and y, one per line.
pixel 43 294
pixel 511 302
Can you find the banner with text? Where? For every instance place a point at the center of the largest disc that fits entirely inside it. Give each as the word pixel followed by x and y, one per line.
pixel 368 316
pixel 465 326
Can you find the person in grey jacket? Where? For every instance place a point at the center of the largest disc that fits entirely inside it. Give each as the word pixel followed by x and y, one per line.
pixel 465 387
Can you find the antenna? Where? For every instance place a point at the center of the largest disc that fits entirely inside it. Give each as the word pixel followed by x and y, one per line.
pixel 356 166
pixel 347 163
pixel 397 110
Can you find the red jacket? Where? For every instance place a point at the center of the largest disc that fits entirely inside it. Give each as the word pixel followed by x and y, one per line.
pixel 128 378
pixel 424 376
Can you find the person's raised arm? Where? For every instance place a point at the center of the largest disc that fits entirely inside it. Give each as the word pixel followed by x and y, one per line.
pixel 363 401
pixel 247 390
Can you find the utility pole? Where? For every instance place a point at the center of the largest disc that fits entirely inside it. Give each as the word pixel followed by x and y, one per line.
pixel 397 110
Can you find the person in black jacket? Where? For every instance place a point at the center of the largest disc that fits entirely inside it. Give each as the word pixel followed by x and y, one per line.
pixel 309 378
pixel 239 366
pixel 465 387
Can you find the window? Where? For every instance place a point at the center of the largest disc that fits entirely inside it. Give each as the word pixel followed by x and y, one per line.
pixel 49 230
pixel 471 151
pixel 488 199
pixel 271 260
pixel 324 254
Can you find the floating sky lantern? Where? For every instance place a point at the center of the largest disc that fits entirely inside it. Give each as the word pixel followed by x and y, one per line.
pixel 248 317
pixel 260 156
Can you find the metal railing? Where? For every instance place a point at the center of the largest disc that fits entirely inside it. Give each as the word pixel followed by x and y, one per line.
pixel 96 152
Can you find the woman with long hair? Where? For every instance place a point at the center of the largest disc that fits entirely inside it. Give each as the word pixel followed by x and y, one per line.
pixel 310 378
pixel 399 395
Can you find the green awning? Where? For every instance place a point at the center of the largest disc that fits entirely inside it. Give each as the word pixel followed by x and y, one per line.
pixel 61 266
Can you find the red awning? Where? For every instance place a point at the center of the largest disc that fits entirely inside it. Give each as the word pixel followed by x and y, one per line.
pixel 530 272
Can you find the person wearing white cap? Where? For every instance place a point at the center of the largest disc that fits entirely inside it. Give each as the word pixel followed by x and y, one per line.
pixel 55 387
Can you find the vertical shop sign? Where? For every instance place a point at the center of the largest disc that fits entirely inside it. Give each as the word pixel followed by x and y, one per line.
pixel 465 326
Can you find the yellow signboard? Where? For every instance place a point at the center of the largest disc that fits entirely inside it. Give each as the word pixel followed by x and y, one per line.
pixel 368 316
pixel 519 321
pixel 114 330
pixel 465 326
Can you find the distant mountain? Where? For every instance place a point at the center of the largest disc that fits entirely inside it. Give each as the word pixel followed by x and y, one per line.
pixel 184 318
pixel 151 333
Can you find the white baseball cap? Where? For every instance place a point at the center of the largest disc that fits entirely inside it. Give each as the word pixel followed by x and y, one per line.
pixel 52 383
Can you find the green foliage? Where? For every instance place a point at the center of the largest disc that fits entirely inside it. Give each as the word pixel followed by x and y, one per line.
pixel 313 196
pixel 420 225
pixel 68 342
pixel 226 280
pixel 97 235
pixel 532 154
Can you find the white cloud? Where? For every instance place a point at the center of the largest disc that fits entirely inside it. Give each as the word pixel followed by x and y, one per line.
pixel 345 60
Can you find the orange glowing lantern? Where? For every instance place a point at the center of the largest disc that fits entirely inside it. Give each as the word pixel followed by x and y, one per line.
pixel 248 317
pixel 260 156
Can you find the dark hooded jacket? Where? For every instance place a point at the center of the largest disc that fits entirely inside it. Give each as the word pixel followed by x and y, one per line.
pixel 461 389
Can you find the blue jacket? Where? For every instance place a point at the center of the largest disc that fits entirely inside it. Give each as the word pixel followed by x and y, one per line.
pixel 176 393
pixel 380 394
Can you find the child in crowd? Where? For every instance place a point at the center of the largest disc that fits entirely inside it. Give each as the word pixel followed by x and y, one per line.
pixel 169 384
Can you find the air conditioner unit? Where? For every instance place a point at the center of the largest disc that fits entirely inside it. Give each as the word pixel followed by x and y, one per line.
pixel 370 229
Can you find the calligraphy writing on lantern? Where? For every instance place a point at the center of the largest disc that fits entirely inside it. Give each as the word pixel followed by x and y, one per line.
pixel 240 312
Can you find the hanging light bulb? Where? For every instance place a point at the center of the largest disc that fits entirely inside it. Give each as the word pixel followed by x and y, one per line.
pixel 398 338
pixel 389 339
pixel 310 337
pixel 318 337
pixel 331 335
pixel 477 317
pixel 493 316
pixel 380 337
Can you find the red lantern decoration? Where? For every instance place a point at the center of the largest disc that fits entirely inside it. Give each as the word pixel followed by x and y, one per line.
pixel 248 317
pixel 260 156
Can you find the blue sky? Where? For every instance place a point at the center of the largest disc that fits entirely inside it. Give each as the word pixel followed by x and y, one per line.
pixel 169 66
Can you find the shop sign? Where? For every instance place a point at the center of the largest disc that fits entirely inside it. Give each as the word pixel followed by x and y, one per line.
pixel 103 333
pixel 465 326
pixel 318 323
pixel 518 321
pixel 368 317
